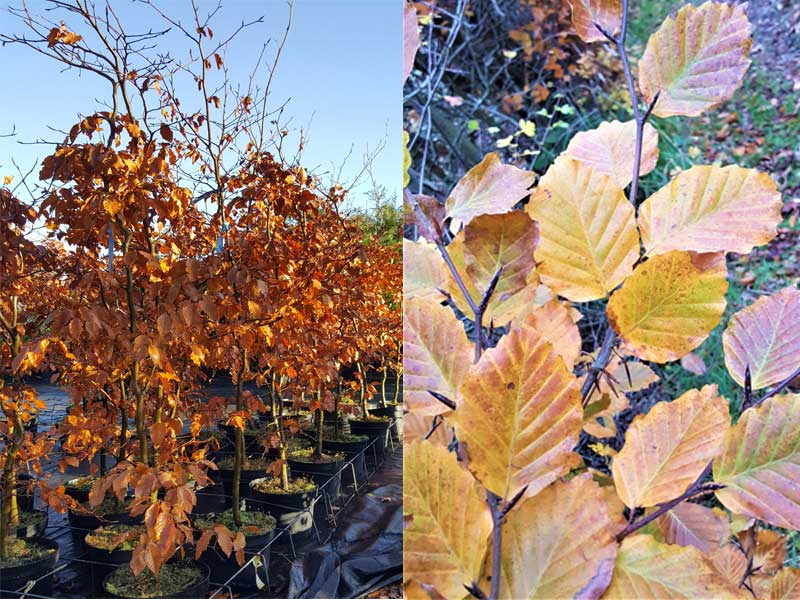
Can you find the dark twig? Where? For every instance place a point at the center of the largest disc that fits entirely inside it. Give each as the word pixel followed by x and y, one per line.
pixel 508 506
pixel 748 389
pixel 443 399
pixel 696 489
pixel 778 388
pixel 475 591
pixel 494 503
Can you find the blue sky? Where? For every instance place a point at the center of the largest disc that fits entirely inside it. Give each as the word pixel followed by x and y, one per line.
pixel 340 71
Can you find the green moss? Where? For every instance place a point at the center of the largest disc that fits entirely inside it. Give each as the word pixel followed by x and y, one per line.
pixel 21 552
pixel 371 419
pixel 251 464
pixel 172 579
pixel 253 522
pixel 109 506
pixel 32 518
pixel 103 538
pixel 297 485
pixel 306 455
pixel 332 436
pixel 83 484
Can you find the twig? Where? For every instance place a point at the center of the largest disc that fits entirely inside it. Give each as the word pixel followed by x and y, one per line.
pixel 497 542
pixel 778 388
pixel 696 489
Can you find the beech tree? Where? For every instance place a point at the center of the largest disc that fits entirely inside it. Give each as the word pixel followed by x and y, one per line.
pixel 514 511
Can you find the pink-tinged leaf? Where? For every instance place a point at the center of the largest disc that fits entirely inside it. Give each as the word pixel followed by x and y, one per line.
pixel 610 149
pixel 410 38
pixel 694 364
pixel 760 463
pixel 765 336
pixel 696 59
pixel 489 187
pixel 690 524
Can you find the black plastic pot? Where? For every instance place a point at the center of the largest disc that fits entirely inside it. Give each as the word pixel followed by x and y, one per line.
pixel 223 567
pixel 394 412
pixel 16 577
pixel 81 524
pixel 377 430
pixel 80 494
pixel 353 451
pixel 226 476
pixel 197 590
pixel 32 530
pixel 294 512
pixel 104 562
pixel 24 498
pixel 323 474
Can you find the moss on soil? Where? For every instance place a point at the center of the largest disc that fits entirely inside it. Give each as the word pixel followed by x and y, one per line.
pixel 371 419
pixel 21 552
pixel 103 538
pixel 306 455
pixel 109 506
pixel 253 522
pixel 32 518
pixel 172 579
pixel 251 464
pixel 332 436
pixel 81 483
pixel 297 485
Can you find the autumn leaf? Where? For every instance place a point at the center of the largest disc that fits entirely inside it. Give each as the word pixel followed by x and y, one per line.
pixel 519 414
pixel 667 449
pixel 610 149
pixel 166 132
pixel 436 355
pixel 785 584
pixel 416 427
pixel 765 337
pixel 410 38
pixel 694 364
pixel 691 524
pixel 760 463
pixel 585 13
pixel 490 187
pixel 730 562
pixel 553 321
pixel 647 568
pixel 711 209
pixel 588 234
pixel 445 544
pixel 670 304
pixel 554 544
pixel 714 40
pixel 424 271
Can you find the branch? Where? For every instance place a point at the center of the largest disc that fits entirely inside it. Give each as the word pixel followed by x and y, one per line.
pixel 778 388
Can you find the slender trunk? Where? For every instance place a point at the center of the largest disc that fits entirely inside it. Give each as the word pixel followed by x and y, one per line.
pixel 320 420
pixel 103 465
pixel 383 387
pixel 337 417
pixel 238 459
pixel 9 515
pixel 283 450
pixel 363 392
pixel 123 417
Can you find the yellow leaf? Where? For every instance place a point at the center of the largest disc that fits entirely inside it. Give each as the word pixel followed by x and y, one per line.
pixel 711 209
pixel 610 149
pixel 436 355
pixel 730 562
pixel 670 304
pixel 667 449
pixel 519 413
pixel 713 40
pixel 646 568
pixel 527 127
pixel 445 543
pixel 554 322
pixel 785 584
pixel 8 179
pixel 588 234
pixel 764 336
pixel 585 13
pixel 760 463
pixel 406 160
pixel 555 543
pixel 416 427
pixel 488 188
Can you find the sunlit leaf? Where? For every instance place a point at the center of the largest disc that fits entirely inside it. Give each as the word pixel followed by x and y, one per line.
pixel 696 59
pixel 760 463
pixel 519 414
pixel 610 149
pixel 424 271
pixel 670 304
pixel 445 544
pixel 554 321
pixel 436 355
pixel 730 562
pixel 667 449
pixel 785 584
pixel 646 568
pixel 489 187
pixel 410 38
pixel 588 234
pixel 555 543
pixel 765 336
pixel 711 209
